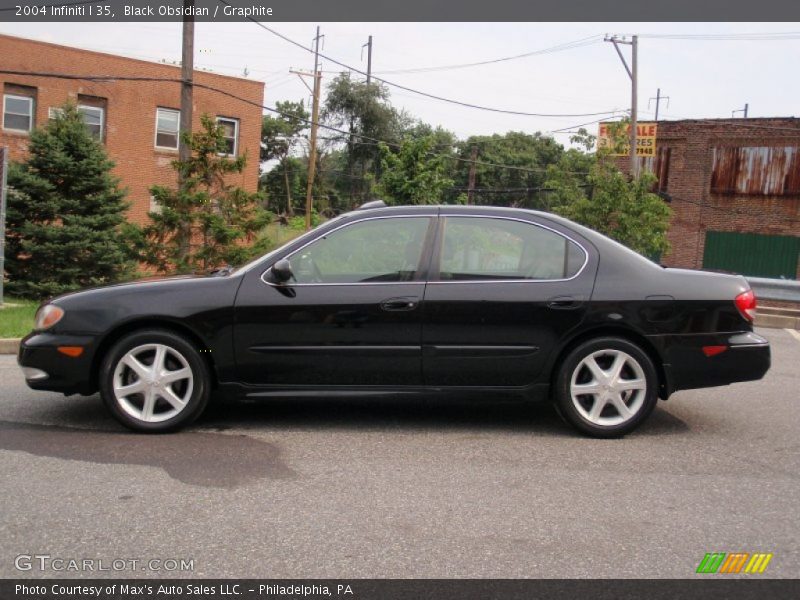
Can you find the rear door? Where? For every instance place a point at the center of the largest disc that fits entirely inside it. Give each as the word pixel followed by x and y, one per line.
pixel 502 292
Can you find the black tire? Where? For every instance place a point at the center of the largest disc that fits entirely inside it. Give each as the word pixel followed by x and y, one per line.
pixel 194 391
pixel 638 406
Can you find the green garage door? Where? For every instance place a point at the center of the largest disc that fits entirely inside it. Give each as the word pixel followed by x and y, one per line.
pixel 752 254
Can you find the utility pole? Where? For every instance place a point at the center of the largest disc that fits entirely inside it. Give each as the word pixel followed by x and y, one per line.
pixel 743 110
pixel 471 186
pixel 312 155
pixel 658 100
pixel 633 74
pixel 368 46
pixel 187 73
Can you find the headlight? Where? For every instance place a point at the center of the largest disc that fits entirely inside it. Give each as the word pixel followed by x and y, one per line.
pixel 47 316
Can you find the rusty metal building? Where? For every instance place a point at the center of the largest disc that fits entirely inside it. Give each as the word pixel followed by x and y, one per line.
pixel 734 189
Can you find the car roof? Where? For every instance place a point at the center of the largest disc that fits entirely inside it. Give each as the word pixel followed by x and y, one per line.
pixel 461 208
pixel 480 209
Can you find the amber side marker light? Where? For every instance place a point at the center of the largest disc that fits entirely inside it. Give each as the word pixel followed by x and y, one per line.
pixel 71 351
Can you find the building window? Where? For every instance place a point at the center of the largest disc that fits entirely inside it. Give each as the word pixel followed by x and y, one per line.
pixel 167 128
pixel 230 131
pixel 94 119
pixel 17 113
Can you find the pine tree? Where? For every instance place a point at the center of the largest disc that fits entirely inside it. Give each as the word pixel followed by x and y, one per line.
pixel 206 222
pixel 65 209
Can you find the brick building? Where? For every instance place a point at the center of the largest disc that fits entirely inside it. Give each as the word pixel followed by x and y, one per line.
pixel 136 120
pixel 734 186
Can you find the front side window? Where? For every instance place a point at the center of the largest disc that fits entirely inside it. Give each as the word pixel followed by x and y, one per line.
pixel 93 117
pixel 376 250
pixel 167 127
pixel 17 113
pixel 479 248
pixel 230 132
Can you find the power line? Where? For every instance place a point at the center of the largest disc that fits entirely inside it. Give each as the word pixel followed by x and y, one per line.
pixel 419 92
pixel 112 78
pixel 564 129
pixel 726 37
pixel 593 39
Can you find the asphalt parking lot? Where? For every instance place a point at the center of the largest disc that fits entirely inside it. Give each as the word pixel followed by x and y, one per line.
pixel 358 488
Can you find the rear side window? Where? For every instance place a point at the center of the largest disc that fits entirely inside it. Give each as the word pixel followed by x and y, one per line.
pixel 485 248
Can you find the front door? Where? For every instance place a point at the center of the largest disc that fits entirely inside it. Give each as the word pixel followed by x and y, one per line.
pixel 350 316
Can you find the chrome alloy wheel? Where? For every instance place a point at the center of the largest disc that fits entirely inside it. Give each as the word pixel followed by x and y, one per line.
pixel 153 383
pixel 608 387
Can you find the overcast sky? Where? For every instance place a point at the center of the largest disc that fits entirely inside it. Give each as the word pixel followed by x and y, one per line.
pixel 703 78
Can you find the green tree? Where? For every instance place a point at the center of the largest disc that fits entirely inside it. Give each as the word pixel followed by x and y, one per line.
pixel 609 201
pixel 65 209
pixel 530 154
pixel 206 222
pixel 279 136
pixel 361 109
pixel 285 184
pixel 412 175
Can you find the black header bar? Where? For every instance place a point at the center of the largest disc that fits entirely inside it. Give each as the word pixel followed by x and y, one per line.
pixel 320 11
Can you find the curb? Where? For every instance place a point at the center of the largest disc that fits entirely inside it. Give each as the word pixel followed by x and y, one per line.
pixel 777 321
pixel 9 345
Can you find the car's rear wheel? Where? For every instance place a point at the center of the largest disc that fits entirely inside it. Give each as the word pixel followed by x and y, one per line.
pixel 606 387
pixel 154 380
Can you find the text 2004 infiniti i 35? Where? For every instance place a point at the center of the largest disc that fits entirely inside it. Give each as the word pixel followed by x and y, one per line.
pixel 409 299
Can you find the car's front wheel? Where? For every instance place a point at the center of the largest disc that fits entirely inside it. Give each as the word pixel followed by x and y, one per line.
pixel 606 387
pixel 154 380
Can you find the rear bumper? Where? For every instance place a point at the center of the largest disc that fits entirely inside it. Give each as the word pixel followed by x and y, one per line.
pixel 708 360
pixel 46 368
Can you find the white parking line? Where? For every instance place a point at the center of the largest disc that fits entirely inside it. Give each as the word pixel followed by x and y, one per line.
pixel 794 333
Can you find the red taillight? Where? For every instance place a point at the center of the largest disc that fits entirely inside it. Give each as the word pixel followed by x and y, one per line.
pixel 746 303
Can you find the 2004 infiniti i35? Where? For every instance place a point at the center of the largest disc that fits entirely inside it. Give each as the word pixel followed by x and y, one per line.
pixel 409 299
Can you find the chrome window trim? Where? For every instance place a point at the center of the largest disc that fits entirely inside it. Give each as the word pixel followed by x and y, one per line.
pixel 342 226
pixel 532 223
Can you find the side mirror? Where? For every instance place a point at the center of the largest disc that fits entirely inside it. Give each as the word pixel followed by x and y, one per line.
pixel 282 271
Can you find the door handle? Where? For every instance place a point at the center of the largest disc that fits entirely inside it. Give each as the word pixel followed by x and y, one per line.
pixel 400 304
pixel 564 302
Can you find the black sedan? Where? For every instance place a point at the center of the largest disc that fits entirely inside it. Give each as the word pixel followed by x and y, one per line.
pixel 409 299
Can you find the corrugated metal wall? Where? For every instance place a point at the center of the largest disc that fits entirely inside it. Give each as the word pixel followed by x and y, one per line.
pixel 753 254
pixel 658 165
pixel 756 170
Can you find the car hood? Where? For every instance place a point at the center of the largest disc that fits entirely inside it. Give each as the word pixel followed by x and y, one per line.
pixel 126 285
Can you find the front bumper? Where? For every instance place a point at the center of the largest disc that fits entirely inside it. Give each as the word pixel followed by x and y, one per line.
pixel 46 368
pixel 709 360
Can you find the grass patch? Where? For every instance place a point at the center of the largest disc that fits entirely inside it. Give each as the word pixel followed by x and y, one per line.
pixel 16 317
